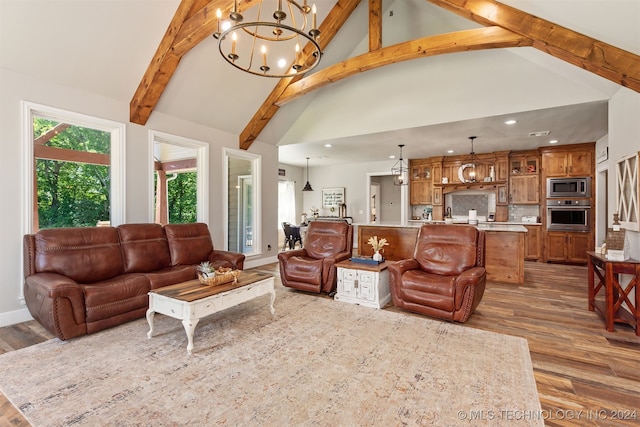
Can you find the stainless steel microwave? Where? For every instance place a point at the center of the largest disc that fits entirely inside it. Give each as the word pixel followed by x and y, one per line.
pixel 567 188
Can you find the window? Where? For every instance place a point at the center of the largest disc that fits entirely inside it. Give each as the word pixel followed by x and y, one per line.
pixel 243 205
pixel 286 202
pixel 73 169
pixel 627 192
pixel 180 183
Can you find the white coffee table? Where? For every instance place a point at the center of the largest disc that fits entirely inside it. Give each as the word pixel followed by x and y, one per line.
pixel 191 301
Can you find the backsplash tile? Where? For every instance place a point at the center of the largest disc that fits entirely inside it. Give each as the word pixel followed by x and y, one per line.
pixel 461 204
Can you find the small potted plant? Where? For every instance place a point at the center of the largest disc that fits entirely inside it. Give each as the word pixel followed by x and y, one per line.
pixel 377 246
pixel 206 270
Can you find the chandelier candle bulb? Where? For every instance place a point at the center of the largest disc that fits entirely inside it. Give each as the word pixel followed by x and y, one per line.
pixel 313 14
pixel 264 55
pixel 234 39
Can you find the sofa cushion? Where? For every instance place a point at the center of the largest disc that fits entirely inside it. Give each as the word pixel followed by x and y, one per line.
pixel 427 289
pixel 188 243
pixel 303 269
pixel 84 254
pixel 112 297
pixel 171 276
pixel 144 247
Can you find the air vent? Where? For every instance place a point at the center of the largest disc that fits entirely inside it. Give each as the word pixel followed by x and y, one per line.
pixel 543 133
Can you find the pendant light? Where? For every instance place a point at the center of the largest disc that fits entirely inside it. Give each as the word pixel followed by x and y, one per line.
pixel 472 160
pixel 307 187
pixel 400 170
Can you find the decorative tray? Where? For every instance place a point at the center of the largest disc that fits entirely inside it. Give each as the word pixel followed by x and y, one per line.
pixel 222 275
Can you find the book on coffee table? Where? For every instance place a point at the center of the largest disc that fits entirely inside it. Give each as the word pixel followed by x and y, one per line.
pixel 366 260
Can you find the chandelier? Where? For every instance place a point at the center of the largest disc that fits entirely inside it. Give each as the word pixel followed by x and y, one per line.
pixel 400 170
pixel 270 48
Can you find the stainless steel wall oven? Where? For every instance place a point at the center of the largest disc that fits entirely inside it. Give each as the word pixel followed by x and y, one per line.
pixel 568 215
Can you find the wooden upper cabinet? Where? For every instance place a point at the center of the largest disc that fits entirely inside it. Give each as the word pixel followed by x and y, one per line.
pixel 524 165
pixel 420 190
pixel 573 163
pixel 502 168
pixel 436 173
pixel 524 190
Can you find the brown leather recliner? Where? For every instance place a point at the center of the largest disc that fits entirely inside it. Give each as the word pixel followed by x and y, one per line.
pixel 446 276
pixel 312 268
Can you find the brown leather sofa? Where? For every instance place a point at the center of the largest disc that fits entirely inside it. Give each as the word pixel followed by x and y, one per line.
pixel 312 268
pixel 86 279
pixel 446 276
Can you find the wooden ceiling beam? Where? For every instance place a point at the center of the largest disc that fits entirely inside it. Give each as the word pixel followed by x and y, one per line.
pixel 193 21
pixel 460 41
pixel 602 59
pixel 328 29
pixel 375 25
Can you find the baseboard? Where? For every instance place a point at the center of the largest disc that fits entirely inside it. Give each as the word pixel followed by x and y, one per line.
pixel 13 317
pixel 259 262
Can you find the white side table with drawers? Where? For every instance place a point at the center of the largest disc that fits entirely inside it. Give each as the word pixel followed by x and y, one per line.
pixel 363 284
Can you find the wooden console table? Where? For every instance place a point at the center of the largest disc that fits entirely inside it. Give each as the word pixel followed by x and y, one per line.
pixel 615 294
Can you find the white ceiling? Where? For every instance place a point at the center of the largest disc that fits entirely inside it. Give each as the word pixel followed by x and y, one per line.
pixel 104 47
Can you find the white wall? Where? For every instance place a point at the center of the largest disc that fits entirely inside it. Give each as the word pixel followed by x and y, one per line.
pixel 624 139
pixel 355 182
pixel 17 87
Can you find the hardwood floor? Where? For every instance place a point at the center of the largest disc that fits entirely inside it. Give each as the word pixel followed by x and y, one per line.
pixel 585 375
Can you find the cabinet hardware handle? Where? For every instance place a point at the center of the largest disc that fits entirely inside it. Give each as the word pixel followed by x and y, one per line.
pixel 355 283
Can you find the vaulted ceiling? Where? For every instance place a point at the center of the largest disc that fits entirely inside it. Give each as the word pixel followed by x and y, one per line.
pixel 431 103
pixel 502 27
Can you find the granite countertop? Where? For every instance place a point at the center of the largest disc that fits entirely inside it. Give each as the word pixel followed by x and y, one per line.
pixel 487 226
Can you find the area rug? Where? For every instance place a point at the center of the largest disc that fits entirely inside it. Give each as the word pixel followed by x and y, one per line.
pixel 317 362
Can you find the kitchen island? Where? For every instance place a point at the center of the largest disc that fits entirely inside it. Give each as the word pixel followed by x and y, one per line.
pixel 504 246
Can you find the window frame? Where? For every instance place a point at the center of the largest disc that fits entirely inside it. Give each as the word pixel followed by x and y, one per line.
pixel 202 168
pixel 117 191
pixel 256 170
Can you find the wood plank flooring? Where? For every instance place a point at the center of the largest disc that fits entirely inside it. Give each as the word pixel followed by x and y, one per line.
pixel 585 375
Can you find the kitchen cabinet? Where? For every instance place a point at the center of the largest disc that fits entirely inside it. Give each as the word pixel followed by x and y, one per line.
pixel 502 195
pixel 502 168
pixel 420 192
pixel 568 246
pixel 436 173
pixel 524 164
pixel 420 182
pixel 532 242
pixel 363 284
pixel 524 189
pixel 566 164
pixel 437 196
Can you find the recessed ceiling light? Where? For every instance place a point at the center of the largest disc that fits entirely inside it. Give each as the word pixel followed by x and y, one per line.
pixel 553 141
pixel 449 151
pixel 328 145
pixel 392 156
pixel 511 122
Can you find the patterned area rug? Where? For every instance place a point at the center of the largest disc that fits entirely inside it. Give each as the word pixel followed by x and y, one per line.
pixel 319 362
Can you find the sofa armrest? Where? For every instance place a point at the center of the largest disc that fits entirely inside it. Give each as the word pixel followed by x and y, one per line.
pixel 285 256
pixel 57 302
pixel 236 259
pixel 469 278
pixel 396 270
pixel 329 276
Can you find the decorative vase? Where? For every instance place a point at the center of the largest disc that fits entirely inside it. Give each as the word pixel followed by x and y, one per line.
pixel 377 256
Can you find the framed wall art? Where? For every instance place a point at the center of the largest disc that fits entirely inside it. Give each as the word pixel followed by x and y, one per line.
pixel 332 197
